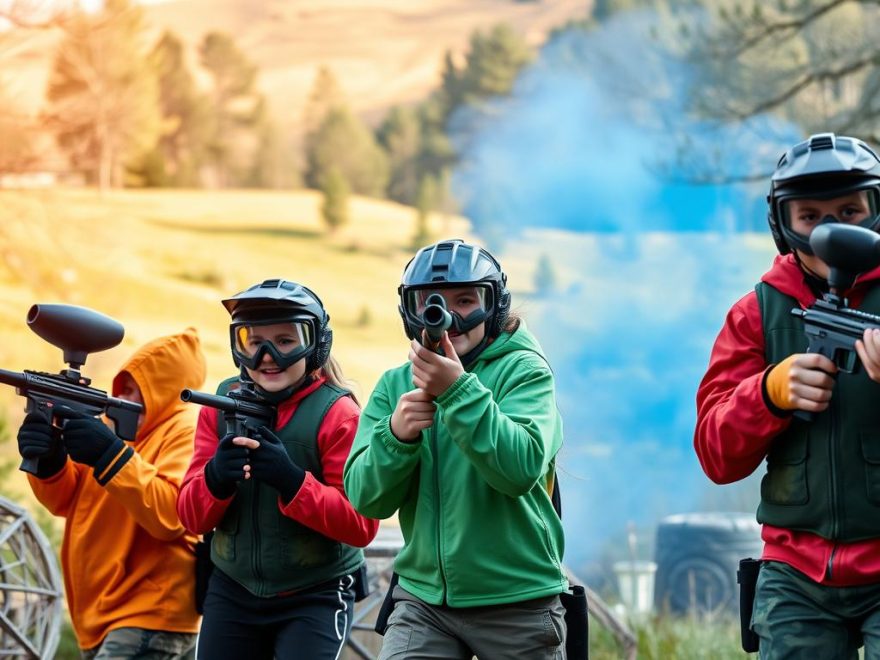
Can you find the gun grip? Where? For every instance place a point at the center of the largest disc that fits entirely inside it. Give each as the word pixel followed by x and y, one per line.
pixel 803 415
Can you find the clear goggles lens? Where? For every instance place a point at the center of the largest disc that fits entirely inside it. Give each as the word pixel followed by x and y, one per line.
pixel 462 300
pixel 287 337
pixel 857 207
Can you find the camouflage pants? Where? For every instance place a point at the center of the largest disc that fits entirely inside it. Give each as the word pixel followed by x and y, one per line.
pixel 798 619
pixel 129 643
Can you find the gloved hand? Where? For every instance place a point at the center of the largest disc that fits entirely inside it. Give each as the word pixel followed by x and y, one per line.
pixel 803 381
pixel 88 439
pixel 271 464
pixel 226 468
pixel 39 439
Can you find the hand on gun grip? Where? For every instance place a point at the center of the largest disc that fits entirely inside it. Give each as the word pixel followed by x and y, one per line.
pixel 37 439
pixel 88 439
pixel 271 464
pixel 413 413
pixel 803 381
pixel 226 468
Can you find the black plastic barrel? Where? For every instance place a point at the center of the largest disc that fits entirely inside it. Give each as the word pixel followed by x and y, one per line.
pixel 697 556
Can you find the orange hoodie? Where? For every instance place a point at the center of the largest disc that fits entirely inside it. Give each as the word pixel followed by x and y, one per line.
pixel 126 558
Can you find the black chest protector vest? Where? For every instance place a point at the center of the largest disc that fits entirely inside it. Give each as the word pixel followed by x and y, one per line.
pixel 823 476
pixel 261 548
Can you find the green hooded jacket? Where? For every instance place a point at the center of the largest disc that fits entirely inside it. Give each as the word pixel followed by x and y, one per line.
pixel 472 494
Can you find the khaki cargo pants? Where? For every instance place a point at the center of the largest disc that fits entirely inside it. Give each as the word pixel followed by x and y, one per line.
pixel 533 629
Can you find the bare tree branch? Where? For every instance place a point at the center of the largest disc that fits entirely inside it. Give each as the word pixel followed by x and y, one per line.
pixel 791 26
pixel 810 78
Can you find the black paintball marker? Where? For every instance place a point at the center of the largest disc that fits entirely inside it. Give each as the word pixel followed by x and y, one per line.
pixel 436 319
pixel 244 411
pixel 832 327
pixel 77 331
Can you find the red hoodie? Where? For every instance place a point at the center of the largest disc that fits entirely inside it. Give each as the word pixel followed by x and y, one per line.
pixel 735 428
pixel 323 507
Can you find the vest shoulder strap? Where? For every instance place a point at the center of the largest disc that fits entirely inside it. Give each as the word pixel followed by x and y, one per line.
pixel 308 416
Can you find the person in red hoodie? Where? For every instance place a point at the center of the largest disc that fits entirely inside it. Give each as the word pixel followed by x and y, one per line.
pixel 127 560
pixel 818 589
pixel 286 541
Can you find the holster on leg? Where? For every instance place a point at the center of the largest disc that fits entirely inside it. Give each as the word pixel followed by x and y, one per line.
pixel 747 577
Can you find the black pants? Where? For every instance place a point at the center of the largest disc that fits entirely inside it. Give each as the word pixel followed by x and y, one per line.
pixel 308 625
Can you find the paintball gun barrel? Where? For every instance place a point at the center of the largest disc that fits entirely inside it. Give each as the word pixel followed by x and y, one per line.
pixel 831 326
pixel 77 331
pixel 436 319
pixel 243 410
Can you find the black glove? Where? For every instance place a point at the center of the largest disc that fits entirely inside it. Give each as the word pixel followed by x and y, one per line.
pixel 39 439
pixel 226 468
pixel 271 464
pixel 88 439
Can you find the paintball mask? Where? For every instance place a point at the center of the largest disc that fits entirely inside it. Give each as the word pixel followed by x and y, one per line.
pixel 282 319
pixel 470 280
pixel 823 167
pixel 469 306
pixel 286 340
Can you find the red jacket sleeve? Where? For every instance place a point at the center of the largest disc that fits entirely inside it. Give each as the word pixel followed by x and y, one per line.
pixel 198 509
pixel 324 507
pixel 734 425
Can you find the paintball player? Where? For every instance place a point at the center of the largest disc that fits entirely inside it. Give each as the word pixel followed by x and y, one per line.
pixel 127 560
pixel 818 589
pixel 286 541
pixel 462 443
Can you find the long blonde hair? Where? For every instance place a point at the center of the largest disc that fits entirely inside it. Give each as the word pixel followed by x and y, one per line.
pixel 333 372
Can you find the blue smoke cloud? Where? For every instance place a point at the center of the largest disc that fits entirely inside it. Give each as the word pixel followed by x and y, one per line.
pixel 595 137
pixel 649 263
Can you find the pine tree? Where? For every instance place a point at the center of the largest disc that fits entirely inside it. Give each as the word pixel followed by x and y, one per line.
pixel 493 63
pixel 401 137
pixel 325 95
pixel 426 201
pixel 334 208
pixel 103 93
pixel 343 143
pixel 236 107
pixel 185 118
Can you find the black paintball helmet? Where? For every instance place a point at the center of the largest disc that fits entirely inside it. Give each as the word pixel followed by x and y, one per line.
pixel 454 264
pixel 824 166
pixel 305 331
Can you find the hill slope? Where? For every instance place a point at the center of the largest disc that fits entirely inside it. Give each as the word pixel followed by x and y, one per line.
pixel 384 52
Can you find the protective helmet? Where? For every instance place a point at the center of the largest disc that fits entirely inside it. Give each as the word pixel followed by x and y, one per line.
pixel 279 302
pixel 822 167
pixel 452 264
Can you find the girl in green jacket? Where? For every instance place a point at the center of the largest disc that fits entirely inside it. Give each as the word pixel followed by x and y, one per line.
pixel 461 443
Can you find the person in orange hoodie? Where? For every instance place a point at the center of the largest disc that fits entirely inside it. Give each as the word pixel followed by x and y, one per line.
pixel 127 560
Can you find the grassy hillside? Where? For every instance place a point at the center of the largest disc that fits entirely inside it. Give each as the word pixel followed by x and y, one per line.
pixel 161 261
pixel 384 52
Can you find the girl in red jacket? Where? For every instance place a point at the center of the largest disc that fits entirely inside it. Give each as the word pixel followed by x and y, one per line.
pixel 286 539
